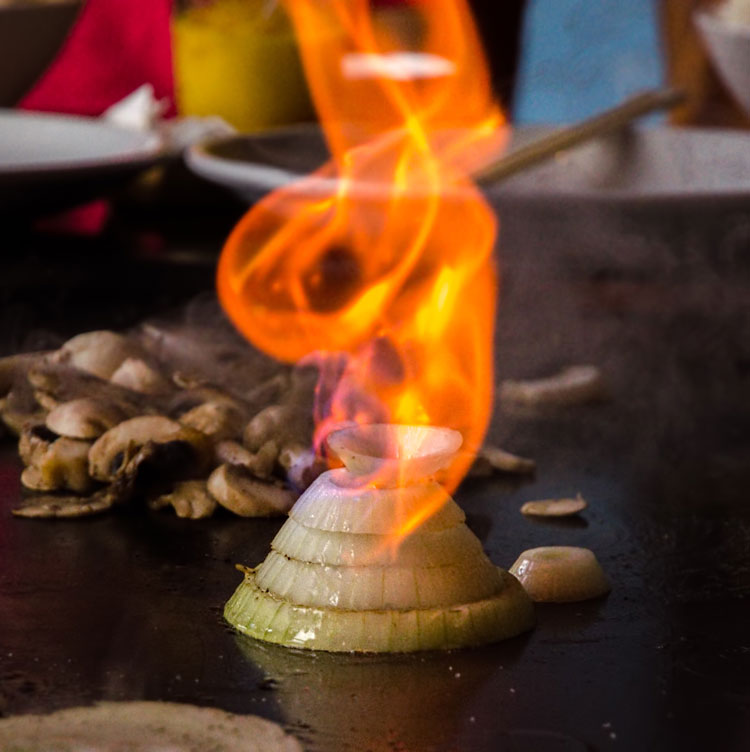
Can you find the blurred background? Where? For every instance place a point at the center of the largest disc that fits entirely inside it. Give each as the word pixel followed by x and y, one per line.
pixel 185 71
pixel 554 61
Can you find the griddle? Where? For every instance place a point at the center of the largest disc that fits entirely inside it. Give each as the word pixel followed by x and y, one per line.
pixel 128 606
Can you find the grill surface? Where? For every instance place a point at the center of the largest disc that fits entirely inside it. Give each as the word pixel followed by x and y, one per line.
pixel 129 606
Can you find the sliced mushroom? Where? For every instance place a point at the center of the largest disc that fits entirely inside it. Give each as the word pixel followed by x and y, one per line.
pixel 186 380
pixel 269 391
pixel 54 384
pixel 178 449
pixel 34 442
pixel 260 463
pixel 49 506
pixel 100 353
pixel 45 400
pixel 136 374
pixel 264 460
pixel 19 408
pixel 246 496
pixel 13 369
pixel 214 354
pixel 84 418
pixel 218 420
pixel 16 420
pixel 233 453
pixel 284 424
pixel 103 386
pixel 32 478
pixel 61 464
pixel 197 395
pixel 190 499
pixel 302 465
pixel 264 425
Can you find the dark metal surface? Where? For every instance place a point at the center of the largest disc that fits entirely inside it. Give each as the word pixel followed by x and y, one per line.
pixel 129 606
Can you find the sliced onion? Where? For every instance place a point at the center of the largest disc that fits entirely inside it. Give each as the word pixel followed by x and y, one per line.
pixel 259 614
pixel 554 507
pixel 427 548
pixel 558 574
pixel 574 385
pixel 395 454
pixel 331 505
pixel 374 588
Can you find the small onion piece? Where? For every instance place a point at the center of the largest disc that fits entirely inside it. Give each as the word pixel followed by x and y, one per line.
pixel 328 505
pixel 560 574
pixel 554 507
pixel 426 548
pixel 259 614
pixel 505 462
pixel 574 385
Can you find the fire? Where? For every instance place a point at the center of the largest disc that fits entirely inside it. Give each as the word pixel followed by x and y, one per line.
pixel 379 266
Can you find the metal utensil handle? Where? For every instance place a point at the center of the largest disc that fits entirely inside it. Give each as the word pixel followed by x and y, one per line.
pixel 565 138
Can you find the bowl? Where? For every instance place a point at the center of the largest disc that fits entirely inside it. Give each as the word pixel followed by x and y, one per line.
pixel 636 167
pixel 31 33
pixel 645 200
pixel 728 45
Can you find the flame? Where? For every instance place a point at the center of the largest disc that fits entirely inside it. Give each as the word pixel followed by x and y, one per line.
pixel 379 265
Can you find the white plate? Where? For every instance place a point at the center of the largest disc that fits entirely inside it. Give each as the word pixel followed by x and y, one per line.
pixel 654 165
pixel 52 161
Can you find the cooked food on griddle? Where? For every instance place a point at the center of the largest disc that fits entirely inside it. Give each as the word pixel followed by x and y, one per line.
pixel 161 416
pixel 187 418
pixel 554 507
pixel 560 574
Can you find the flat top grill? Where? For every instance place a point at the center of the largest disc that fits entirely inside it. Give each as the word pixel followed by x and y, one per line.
pixel 128 606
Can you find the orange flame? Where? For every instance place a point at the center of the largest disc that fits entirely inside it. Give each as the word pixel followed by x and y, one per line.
pixel 379 265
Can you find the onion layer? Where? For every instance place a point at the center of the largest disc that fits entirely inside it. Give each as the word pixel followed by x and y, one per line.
pixel 424 548
pixel 393 455
pixel 341 508
pixel 375 588
pixel 259 614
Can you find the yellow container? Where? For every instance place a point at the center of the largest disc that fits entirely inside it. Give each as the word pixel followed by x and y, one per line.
pixel 238 59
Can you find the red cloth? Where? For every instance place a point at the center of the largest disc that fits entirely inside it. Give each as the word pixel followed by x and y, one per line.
pixel 113 48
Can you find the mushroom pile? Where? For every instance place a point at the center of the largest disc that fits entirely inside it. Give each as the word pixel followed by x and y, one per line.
pixel 182 416
pixel 177 417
